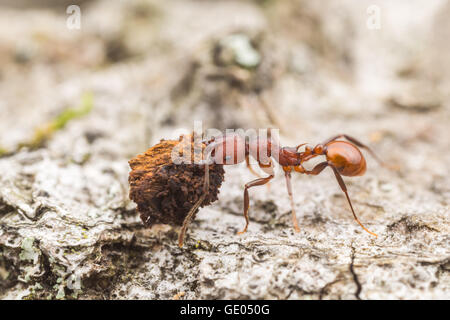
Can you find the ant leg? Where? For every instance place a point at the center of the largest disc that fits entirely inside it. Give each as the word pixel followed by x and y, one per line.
pixel 319 168
pixel 344 189
pixel 247 161
pixel 257 182
pixel 191 212
pixel 268 168
pixel 361 145
pixel 289 189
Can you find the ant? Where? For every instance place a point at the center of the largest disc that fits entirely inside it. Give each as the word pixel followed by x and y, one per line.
pixel 343 157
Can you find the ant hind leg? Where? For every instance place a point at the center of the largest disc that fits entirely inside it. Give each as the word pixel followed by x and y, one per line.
pixel 319 168
pixel 344 189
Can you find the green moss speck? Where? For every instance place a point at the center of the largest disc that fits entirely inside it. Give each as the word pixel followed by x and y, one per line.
pixel 3 151
pixel 45 132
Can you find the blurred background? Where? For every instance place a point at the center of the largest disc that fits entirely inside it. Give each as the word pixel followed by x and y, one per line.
pixel 309 69
pixel 80 100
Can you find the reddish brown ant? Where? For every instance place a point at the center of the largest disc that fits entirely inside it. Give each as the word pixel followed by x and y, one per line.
pixel 344 158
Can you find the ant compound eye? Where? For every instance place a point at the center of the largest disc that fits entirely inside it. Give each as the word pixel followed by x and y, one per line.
pixel 318 149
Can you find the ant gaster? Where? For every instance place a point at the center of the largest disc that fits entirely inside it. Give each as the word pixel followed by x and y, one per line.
pixel 344 158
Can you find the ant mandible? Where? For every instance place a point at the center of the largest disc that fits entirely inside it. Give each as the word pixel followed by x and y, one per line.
pixel 344 158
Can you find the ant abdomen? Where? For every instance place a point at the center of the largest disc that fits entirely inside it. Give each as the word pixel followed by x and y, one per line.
pixel 346 158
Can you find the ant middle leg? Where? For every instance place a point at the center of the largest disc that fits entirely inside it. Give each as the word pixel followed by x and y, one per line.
pixel 247 161
pixel 287 174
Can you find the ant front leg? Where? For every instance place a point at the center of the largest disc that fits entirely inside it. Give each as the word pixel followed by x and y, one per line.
pixel 257 182
pixel 287 173
pixel 249 167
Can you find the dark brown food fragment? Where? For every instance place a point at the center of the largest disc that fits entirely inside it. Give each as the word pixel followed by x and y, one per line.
pixel 164 191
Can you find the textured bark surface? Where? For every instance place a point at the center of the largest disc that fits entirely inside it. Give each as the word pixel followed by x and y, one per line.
pixel 67 226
